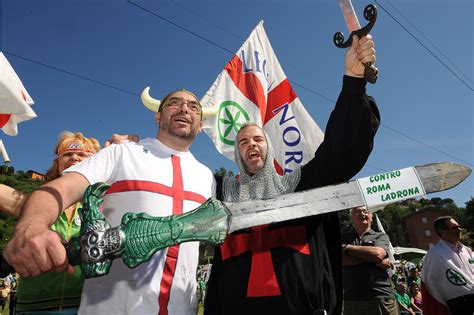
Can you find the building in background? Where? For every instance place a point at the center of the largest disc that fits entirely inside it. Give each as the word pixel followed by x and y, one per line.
pixel 419 227
pixel 35 175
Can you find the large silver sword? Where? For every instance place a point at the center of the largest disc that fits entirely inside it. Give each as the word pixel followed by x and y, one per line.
pixel 140 235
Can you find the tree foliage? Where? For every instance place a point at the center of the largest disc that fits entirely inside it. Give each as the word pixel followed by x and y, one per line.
pixel 467 223
pixel 222 172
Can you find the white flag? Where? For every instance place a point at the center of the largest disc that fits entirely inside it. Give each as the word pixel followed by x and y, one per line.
pixel 254 88
pixel 391 250
pixel 15 102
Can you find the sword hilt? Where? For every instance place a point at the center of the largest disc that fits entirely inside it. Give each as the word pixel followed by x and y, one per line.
pixel 370 14
pixel 139 236
pixel 370 72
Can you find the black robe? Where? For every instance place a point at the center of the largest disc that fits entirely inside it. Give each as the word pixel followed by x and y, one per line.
pixel 304 255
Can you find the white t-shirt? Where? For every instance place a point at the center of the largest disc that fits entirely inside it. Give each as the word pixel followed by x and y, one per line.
pixel 153 178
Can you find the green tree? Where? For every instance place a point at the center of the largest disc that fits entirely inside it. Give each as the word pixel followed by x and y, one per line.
pixel 345 221
pixel 392 218
pixel 468 223
pixel 21 174
pixel 436 201
pixel 222 172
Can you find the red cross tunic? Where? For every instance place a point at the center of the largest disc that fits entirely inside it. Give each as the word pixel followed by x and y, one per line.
pixel 262 279
pixel 154 179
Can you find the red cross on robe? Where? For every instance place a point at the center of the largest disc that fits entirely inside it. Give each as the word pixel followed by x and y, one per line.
pixel 178 194
pixel 262 279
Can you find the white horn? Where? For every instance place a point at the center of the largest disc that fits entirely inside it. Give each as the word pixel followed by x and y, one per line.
pixel 150 103
pixel 209 112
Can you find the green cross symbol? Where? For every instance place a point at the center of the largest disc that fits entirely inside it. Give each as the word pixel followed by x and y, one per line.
pixel 455 277
pixel 230 119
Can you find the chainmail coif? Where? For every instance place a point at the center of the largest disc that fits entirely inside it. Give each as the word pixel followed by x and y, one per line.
pixel 265 184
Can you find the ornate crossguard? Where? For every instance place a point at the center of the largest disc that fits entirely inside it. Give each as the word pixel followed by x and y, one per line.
pixel 370 14
pixel 140 235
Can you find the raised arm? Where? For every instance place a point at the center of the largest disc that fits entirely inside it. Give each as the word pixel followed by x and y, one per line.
pixel 351 128
pixel 34 248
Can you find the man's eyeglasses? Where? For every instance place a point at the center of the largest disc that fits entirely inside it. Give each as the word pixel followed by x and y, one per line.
pixel 359 211
pixel 175 102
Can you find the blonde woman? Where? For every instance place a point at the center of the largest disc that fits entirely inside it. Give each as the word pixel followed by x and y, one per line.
pixel 53 292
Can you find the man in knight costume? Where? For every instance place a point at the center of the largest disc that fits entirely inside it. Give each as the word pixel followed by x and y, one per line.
pixel 294 267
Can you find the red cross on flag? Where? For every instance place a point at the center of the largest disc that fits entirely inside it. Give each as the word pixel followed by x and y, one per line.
pixel 254 88
pixel 15 102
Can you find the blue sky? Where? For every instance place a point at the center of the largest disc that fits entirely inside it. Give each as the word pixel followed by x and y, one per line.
pixel 107 51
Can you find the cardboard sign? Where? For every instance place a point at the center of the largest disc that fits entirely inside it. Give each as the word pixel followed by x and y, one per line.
pixel 389 187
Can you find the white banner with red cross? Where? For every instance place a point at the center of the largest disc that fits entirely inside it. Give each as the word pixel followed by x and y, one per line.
pixel 15 102
pixel 254 88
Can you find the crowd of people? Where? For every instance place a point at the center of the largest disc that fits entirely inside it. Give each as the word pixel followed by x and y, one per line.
pixel 293 267
pixel 406 280
pixel 8 290
pixel 406 301
pixel 442 284
pixel 52 291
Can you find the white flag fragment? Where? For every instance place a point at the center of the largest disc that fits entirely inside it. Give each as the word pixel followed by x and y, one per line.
pixel 15 102
pixel 3 152
pixel 391 250
pixel 253 88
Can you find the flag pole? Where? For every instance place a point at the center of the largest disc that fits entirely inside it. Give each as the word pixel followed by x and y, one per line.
pixel 3 152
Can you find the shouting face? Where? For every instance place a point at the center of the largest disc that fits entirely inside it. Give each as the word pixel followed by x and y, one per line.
pixel 252 148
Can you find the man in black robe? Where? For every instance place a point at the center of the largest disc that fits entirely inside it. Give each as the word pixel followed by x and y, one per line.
pixel 294 267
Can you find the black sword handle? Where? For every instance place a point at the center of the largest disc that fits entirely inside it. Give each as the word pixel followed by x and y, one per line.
pixel 370 14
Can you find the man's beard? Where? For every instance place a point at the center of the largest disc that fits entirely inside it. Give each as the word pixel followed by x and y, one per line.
pixel 188 135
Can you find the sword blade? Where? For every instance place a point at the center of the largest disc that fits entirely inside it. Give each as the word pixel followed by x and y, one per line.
pixel 294 206
pixel 433 177
pixel 349 15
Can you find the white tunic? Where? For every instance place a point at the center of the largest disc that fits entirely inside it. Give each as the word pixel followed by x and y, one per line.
pixel 153 178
